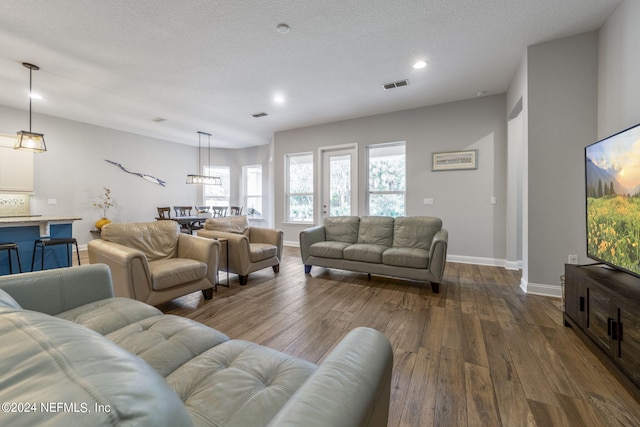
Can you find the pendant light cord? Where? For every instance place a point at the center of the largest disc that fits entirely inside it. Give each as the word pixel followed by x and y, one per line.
pixel 30 95
pixel 199 163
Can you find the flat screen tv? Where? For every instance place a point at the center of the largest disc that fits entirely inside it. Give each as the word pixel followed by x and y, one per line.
pixel 613 200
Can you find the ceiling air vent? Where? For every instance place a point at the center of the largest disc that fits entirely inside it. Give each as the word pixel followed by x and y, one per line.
pixel 394 85
pixel 259 115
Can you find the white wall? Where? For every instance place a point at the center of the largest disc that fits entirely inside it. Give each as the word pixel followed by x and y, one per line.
pixel 73 171
pixel 618 67
pixel 462 198
pixel 562 117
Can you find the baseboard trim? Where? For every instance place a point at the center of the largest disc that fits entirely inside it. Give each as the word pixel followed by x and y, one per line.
pixel 463 259
pixel 541 289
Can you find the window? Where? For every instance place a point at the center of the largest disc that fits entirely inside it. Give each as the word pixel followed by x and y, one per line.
pixel 386 177
pixel 217 195
pixel 299 187
pixel 253 190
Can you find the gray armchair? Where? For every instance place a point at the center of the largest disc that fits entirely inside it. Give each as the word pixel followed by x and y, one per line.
pixel 154 262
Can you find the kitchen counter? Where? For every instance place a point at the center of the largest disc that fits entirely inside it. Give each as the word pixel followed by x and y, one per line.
pixel 43 221
pixel 25 230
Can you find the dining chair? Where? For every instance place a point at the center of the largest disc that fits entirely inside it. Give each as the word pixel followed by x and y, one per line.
pixel 235 210
pixel 164 213
pixel 218 211
pixel 202 209
pixel 183 210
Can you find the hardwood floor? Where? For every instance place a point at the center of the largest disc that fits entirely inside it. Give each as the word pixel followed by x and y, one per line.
pixel 480 353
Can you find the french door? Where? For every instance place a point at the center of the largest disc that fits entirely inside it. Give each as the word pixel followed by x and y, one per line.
pixel 339 181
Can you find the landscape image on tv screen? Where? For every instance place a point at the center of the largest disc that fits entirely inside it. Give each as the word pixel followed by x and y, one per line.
pixel 613 200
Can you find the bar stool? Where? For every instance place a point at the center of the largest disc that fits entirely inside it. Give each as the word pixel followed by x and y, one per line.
pixel 43 242
pixel 11 247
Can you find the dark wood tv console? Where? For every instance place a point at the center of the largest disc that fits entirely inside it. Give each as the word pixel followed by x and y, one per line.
pixel 603 307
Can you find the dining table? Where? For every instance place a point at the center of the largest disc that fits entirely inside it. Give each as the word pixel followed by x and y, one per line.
pixel 190 222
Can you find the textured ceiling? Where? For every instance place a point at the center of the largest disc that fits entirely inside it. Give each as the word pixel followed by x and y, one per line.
pixel 209 65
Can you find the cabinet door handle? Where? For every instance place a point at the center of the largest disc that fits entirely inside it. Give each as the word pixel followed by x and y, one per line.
pixel 614 330
pixel 609 322
pixel 619 331
pixel 581 303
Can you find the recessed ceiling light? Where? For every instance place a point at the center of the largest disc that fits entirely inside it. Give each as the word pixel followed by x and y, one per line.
pixel 279 99
pixel 419 65
pixel 34 95
pixel 283 28
pixel 481 93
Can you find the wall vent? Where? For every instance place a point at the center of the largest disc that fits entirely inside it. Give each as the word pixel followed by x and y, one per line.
pixel 256 115
pixel 394 85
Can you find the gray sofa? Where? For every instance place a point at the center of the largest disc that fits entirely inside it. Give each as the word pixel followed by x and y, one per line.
pixel 72 355
pixel 406 247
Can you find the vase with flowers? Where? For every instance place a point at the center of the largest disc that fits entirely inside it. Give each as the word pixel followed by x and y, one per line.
pixel 105 202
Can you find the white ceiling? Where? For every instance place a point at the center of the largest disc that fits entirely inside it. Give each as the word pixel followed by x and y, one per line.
pixel 209 65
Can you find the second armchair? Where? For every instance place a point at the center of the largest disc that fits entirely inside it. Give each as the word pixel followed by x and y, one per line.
pixel 250 248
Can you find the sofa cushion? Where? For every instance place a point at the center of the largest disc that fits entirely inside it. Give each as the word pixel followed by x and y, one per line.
pixel 238 383
pixel 7 300
pixel 229 224
pixel 53 360
pixel 157 240
pixel 328 249
pixel 167 273
pixel 364 252
pixel 341 228
pixel 108 315
pixel 260 251
pixel 376 230
pixel 167 342
pixel 406 257
pixel 415 231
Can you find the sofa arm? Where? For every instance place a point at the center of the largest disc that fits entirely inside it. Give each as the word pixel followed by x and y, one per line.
pixel 350 388
pixel 269 236
pixel 58 290
pixel 129 268
pixel 438 254
pixel 200 249
pixel 308 237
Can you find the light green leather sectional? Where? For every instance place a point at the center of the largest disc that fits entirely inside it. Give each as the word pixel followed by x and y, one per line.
pixel 406 247
pixel 73 355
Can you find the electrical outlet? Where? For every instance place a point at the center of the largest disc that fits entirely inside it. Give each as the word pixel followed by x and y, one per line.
pixel 428 201
pixel 573 259
pixel 52 201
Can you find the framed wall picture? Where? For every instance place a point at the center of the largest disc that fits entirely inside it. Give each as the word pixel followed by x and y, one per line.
pixel 455 160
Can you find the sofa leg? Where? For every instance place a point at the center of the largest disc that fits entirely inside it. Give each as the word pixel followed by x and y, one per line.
pixel 208 293
pixel 243 280
pixel 435 287
pixel 368 276
pixel 276 268
pixel 307 269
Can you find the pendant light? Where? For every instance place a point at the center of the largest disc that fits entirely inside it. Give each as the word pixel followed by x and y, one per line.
pixel 30 140
pixel 199 178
